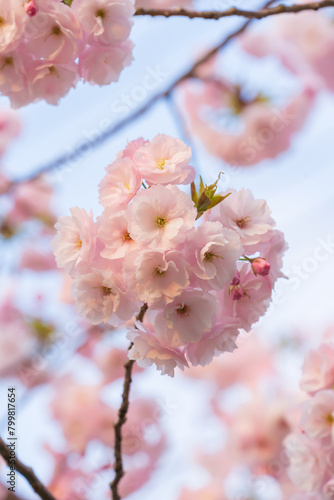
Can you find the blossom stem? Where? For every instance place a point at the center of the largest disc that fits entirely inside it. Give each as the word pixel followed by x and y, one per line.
pixel 234 11
pixel 26 472
pixel 122 412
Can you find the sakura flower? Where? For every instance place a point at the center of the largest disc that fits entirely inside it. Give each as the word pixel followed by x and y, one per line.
pixel 160 274
pixel 100 64
pixel 249 217
pixel 107 21
pixel 165 161
pixel 212 252
pixel 148 349
pixel 9 128
pixel 318 369
pixel 14 67
pixel 328 489
pixel 12 18
pixel 161 216
pixel 102 298
pixel 50 80
pixel 187 318
pixel 132 147
pixel 120 184
pixel 114 233
pixel 75 240
pixel 58 36
pixel 247 298
pixel 221 338
pixel 307 462
pixel 318 417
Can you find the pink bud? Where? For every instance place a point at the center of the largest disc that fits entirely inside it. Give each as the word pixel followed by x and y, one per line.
pixel 260 266
pixel 30 8
pixel 236 292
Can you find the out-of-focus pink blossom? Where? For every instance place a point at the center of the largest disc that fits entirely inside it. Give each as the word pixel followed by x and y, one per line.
pixel 261 130
pixel 10 128
pixel 37 261
pixel 318 417
pixel 318 369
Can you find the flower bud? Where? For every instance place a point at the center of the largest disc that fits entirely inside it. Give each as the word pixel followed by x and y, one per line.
pixel 236 292
pixel 30 8
pixel 260 266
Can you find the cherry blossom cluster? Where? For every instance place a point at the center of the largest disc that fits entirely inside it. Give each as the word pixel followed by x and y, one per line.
pixel 202 279
pixel 311 450
pixel 242 129
pixel 47 46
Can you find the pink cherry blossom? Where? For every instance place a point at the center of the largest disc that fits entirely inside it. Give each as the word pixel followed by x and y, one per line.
pixel 160 275
pixel 107 21
pixel 161 216
pixel 318 369
pixel 165 160
pixel 120 184
pixel 250 301
pixel 328 489
pixel 12 21
pixel 148 349
pixel 307 462
pixel 100 64
pixel 318 417
pixel 212 252
pixel 58 35
pixel 51 80
pixel 132 147
pixel 82 414
pixel 114 232
pixel 249 217
pixel 14 76
pixel 261 130
pixel 75 240
pixel 37 261
pixel 221 338
pixel 101 297
pixel 187 318
pixel 10 127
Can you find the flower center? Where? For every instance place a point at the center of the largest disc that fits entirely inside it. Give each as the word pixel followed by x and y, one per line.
pixel 161 163
pixel 78 242
pixel 127 186
pixel 243 222
pixel 209 256
pixel 100 13
pixel 161 221
pixel 105 291
pixel 157 272
pixel 56 30
pixel 127 237
pixel 183 310
pixel 330 419
pixel 2 22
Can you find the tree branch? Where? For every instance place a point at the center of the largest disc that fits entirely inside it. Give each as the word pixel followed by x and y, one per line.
pixel 250 14
pixel 117 127
pixel 26 472
pixel 118 467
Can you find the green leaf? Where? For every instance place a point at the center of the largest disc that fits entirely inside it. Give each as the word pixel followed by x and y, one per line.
pixel 68 2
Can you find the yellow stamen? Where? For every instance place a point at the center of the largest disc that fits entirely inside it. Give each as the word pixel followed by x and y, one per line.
pixel 161 163
pixel 161 221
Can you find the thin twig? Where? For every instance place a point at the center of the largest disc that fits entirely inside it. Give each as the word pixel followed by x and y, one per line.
pixel 26 472
pixel 117 127
pixel 234 11
pixel 118 467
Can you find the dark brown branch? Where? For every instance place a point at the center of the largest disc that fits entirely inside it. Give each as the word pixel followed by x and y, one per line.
pixel 26 472
pixel 117 127
pixel 250 14
pixel 118 467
